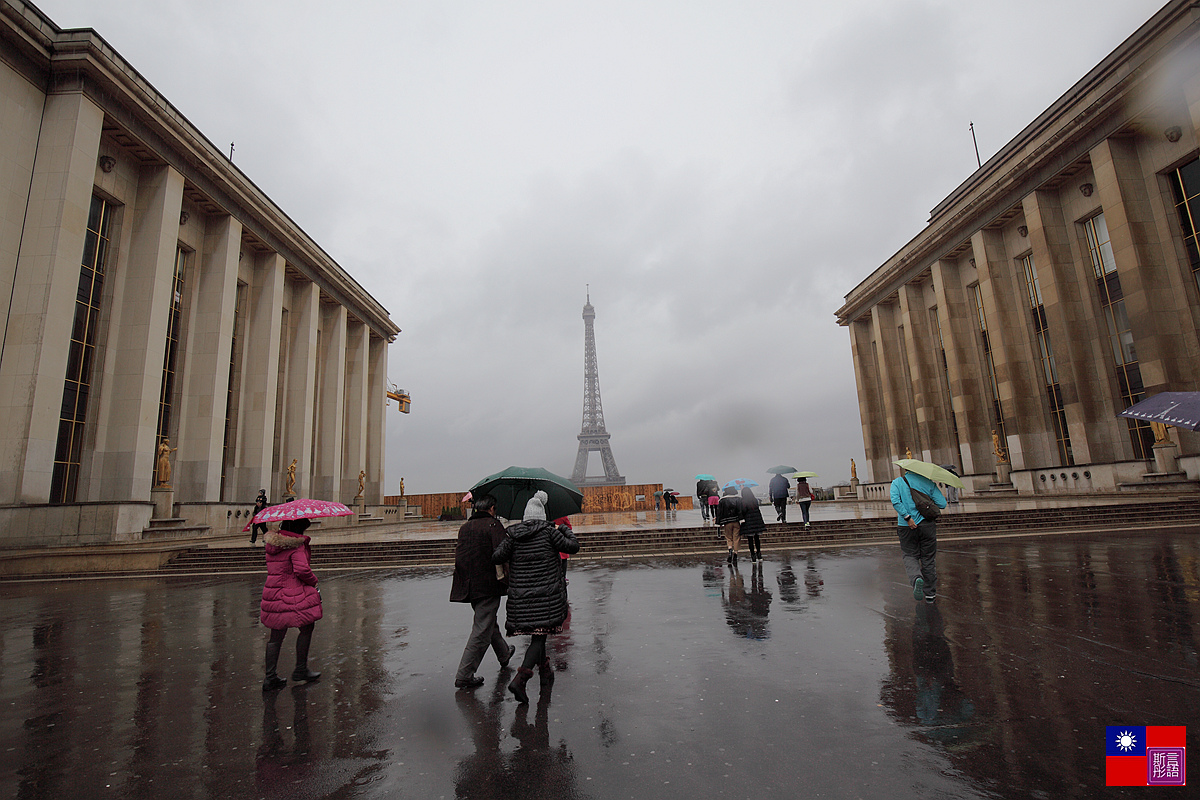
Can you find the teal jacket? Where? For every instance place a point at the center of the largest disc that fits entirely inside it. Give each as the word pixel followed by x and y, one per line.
pixel 902 498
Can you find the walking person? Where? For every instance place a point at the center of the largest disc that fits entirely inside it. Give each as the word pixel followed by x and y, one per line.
pixel 729 515
pixel 804 498
pixel 777 490
pixel 260 503
pixel 290 599
pixel 702 497
pixel 537 590
pixel 918 535
pixel 475 582
pixel 752 524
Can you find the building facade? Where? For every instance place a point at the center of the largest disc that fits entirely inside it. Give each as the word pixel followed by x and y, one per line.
pixel 152 292
pixel 1054 288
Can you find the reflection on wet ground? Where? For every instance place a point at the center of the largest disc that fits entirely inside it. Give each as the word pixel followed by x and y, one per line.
pixel 810 674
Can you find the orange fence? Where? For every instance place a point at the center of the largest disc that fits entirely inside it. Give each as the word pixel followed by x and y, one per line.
pixel 634 497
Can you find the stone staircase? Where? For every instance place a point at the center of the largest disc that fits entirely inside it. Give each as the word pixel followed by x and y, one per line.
pixel 163 529
pixel 706 539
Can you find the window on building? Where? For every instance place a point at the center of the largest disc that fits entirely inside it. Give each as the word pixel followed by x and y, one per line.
pixel 1120 335
pixel 989 364
pixel 166 390
pixel 1185 184
pixel 64 481
pixel 1037 310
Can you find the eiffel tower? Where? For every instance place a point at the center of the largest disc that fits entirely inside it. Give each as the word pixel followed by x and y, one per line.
pixel 593 436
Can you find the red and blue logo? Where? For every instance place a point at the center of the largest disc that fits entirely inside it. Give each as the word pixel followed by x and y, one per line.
pixel 1145 755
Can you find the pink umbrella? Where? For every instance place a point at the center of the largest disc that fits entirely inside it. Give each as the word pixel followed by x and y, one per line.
pixel 301 508
pixel 466 498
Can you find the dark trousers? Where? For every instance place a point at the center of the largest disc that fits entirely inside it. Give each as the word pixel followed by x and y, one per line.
pixel 485 632
pixel 781 508
pixel 804 504
pixel 254 531
pixel 536 653
pixel 919 548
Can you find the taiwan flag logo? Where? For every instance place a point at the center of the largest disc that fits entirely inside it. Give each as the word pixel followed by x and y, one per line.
pixel 1145 755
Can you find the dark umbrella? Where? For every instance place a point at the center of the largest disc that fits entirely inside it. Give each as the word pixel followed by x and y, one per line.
pixel 779 470
pixel 514 486
pixel 1181 409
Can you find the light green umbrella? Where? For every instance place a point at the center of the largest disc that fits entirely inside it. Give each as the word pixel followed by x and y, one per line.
pixel 931 471
pixel 804 474
pixel 514 486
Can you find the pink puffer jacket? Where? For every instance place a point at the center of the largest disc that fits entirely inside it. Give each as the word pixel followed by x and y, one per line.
pixel 290 598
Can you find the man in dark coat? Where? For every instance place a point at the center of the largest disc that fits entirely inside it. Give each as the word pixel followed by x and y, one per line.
pixel 475 582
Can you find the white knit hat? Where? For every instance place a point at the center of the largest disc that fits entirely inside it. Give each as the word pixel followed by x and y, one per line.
pixel 536 507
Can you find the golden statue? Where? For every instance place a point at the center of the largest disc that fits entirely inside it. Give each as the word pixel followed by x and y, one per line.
pixel 291 479
pixel 908 452
pixel 853 470
pixel 362 475
pixel 162 470
pixel 1161 434
pixel 402 487
pixel 1001 453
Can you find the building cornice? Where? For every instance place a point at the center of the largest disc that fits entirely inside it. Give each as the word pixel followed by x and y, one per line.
pixel 1059 137
pixel 81 60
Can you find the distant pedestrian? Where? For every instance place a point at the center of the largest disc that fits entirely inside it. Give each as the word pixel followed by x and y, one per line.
pixel 752 524
pixel 564 557
pixel 951 491
pixel 777 490
pixel 537 592
pixel 290 599
pixel 260 503
pixel 804 498
pixel 475 582
pixel 702 492
pixel 729 514
pixel 918 535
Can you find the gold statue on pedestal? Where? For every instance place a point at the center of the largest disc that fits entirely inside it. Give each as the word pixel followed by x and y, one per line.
pixel 362 476
pixel 908 452
pixel 1161 434
pixel 853 470
pixel 402 487
pixel 162 469
pixel 291 479
pixel 998 450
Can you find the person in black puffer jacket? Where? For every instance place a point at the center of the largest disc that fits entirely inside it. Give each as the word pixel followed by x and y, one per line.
pixel 752 524
pixel 537 591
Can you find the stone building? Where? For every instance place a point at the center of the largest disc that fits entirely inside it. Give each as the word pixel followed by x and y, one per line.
pixel 1054 288
pixel 150 290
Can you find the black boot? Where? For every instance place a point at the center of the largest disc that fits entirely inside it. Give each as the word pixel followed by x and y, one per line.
pixel 302 672
pixel 545 672
pixel 517 686
pixel 271 681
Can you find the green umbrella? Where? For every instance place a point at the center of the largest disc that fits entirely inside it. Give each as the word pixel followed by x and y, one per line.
pixel 514 486
pixel 781 469
pixel 704 476
pixel 804 474
pixel 931 471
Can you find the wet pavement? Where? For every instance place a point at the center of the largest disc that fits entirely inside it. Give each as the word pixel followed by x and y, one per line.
pixel 813 674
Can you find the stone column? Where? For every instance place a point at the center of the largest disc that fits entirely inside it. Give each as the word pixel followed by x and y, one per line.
pixel 377 358
pixel 127 436
pixel 357 414
pixel 33 364
pixel 1074 330
pixel 332 383
pixel 302 376
pixel 205 377
pixel 968 394
pixel 870 402
pixel 1156 296
pixel 925 375
pixel 896 390
pixel 256 430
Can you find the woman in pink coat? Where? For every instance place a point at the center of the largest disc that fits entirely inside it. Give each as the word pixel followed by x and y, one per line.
pixel 290 599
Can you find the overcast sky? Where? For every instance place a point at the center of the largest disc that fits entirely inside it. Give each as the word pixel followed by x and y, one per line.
pixel 720 173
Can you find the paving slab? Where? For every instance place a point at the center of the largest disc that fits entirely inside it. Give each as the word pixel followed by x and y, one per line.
pixel 812 674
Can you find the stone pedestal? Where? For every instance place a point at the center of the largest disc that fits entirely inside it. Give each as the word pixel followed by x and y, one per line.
pixel 360 504
pixel 854 487
pixel 1002 472
pixel 1166 459
pixel 163 498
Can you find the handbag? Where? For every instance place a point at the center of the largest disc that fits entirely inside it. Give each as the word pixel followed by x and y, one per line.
pixel 924 503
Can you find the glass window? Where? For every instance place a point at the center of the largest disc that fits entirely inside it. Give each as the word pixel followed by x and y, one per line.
pixel 1033 293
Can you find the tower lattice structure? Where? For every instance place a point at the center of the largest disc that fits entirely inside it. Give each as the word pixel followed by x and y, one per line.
pixel 593 436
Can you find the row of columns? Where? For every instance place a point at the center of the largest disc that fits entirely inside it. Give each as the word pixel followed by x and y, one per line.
pixel 907 397
pixel 330 369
